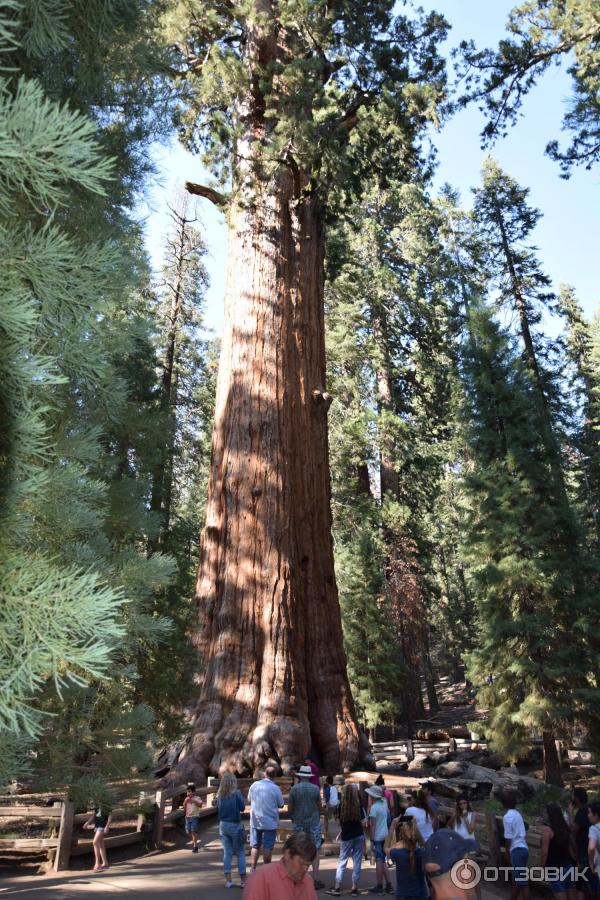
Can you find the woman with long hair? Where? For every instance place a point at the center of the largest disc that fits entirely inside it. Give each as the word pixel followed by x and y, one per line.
pixel 404 846
pixel 230 805
pixel 463 820
pixel 422 814
pixel 557 853
pixel 352 817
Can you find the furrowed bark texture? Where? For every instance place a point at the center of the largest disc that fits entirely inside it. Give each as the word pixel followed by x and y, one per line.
pixel 270 631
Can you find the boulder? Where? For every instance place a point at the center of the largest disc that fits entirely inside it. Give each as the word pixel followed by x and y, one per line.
pixel 421 761
pixel 461 776
pixel 580 757
pixel 456 787
pixel 459 731
pixel 453 769
pixel 506 779
pixel 428 734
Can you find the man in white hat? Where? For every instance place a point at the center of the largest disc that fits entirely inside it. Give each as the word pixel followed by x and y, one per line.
pixel 304 807
pixel 378 831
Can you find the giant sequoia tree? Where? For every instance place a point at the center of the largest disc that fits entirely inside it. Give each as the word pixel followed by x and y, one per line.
pixel 295 103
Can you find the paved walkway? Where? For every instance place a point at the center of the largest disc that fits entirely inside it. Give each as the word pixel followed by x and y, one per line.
pixel 171 875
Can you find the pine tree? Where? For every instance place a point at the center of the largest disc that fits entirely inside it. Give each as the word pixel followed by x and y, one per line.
pixel 59 149
pixel 580 352
pixel 528 569
pixel 294 107
pixel 183 283
pixel 387 336
pixel 506 221
pixel 79 368
pixel 187 372
pixel 542 33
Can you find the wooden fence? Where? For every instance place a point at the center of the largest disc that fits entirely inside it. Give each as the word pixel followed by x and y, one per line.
pixel 64 843
pixel 405 750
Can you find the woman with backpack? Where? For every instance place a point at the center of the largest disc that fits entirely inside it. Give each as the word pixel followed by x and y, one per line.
pixel 331 799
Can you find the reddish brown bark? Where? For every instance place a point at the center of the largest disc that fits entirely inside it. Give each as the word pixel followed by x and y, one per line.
pixel 275 683
pixel 270 630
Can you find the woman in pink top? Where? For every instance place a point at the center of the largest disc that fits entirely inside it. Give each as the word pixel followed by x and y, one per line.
pixel 288 878
pixel 316 772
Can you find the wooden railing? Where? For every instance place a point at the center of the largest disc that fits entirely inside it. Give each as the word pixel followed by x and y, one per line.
pixel 405 750
pixel 62 844
pixel 57 845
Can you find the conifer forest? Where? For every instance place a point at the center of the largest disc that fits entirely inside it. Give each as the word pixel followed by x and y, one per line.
pixel 272 542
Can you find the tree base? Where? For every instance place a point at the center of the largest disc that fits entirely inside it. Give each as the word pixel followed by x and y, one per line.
pixel 282 744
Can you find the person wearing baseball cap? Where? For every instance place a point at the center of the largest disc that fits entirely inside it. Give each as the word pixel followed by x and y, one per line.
pixel 445 850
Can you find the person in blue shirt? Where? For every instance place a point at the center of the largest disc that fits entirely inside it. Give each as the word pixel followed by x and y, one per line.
pixel 230 805
pixel 265 800
pixel 378 832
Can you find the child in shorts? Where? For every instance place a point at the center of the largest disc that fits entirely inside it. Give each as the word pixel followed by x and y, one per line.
pixel 191 808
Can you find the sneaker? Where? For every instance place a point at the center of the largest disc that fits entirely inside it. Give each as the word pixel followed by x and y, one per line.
pixel 354 891
pixel 334 891
pixel 229 884
pixel 389 889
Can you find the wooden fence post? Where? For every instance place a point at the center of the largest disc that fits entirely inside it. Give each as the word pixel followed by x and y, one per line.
pixel 410 753
pixel 141 819
pixel 65 837
pixel 452 745
pixel 491 823
pixel 211 781
pixel 158 820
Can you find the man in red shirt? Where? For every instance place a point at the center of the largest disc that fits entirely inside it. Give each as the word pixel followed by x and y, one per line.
pixel 288 878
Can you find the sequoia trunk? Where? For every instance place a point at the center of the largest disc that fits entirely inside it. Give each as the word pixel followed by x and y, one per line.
pixel 275 682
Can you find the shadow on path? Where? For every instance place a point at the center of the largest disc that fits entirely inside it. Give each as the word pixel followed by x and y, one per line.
pixel 171 875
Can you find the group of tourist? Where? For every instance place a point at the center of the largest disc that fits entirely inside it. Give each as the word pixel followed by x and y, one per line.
pixel 405 834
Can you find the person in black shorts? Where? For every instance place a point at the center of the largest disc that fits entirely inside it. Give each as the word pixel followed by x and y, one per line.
pixel 99 822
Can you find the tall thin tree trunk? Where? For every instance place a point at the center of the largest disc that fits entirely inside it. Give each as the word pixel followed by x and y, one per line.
pixel 552 768
pixel 270 631
pixel 162 478
pixel 429 674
